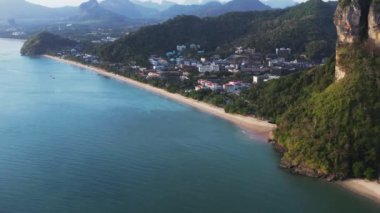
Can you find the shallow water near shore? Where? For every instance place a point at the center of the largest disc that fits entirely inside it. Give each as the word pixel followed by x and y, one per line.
pixel 74 141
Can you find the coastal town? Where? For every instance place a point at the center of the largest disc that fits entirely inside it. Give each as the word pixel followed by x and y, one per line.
pixel 194 69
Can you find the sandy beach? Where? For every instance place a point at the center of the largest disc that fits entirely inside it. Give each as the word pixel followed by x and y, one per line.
pixel 251 125
pixel 369 189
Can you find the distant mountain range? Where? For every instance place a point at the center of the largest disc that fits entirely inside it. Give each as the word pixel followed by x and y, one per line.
pixel 138 9
pixel 121 10
pixel 21 9
pixel 156 6
pixel 279 3
pixel 209 9
pixel 214 8
pixel 129 9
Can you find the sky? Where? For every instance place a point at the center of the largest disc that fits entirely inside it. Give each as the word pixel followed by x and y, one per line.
pixel 61 3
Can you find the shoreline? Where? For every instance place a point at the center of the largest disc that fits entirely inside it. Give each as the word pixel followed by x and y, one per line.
pixel 252 126
pixel 365 188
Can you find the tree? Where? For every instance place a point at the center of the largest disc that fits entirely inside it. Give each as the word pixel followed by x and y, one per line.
pixel 358 169
pixel 370 174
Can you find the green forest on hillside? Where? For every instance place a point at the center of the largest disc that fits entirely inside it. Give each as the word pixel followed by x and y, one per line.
pixel 274 98
pixel 45 42
pixel 333 128
pixel 310 23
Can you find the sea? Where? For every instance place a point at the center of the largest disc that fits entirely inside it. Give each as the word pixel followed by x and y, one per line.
pixel 74 141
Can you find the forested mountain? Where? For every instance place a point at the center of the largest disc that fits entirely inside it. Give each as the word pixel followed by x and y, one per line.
pixel 335 132
pixel 329 117
pixel 45 42
pixel 306 28
pixel 214 8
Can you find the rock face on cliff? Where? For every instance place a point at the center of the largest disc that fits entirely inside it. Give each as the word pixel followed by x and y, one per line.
pixel 92 11
pixel 357 22
pixel 347 21
pixel 374 27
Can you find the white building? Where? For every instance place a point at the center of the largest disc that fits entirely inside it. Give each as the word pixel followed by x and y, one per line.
pixel 195 46
pixel 272 77
pixel 282 50
pixel 202 68
pixel 259 79
pixel 239 50
pixel 234 68
pixel 235 86
pixel 204 84
pixel 181 48
pixel 275 61
pixel 152 75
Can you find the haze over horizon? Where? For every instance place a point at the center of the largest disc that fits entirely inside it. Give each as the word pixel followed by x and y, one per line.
pixel 62 3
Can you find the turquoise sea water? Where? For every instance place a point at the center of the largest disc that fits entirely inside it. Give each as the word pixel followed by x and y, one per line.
pixel 74 141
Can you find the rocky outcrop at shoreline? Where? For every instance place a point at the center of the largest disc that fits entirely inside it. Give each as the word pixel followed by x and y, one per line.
pixel 300 169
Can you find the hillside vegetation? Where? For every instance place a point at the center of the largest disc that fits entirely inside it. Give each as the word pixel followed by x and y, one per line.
pixel 45 42
pixel 326 129
pixel 274 98
pixel 310 23
pixel 337 131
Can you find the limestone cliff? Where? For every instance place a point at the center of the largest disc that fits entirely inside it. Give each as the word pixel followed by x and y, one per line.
pixel 357 22
pixel 374 27
pixel 347 22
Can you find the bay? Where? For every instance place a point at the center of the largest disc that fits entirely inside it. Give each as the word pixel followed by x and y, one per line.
pixel 74 141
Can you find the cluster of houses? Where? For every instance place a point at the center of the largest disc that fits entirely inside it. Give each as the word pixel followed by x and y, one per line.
pixel 176 66
pixel 76 53
pixel 247 61
pixel 229 87
pixel 15 32
pixel 106 39
pixel 243 60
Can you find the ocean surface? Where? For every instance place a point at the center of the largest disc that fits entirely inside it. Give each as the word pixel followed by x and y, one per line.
pixel 73 141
